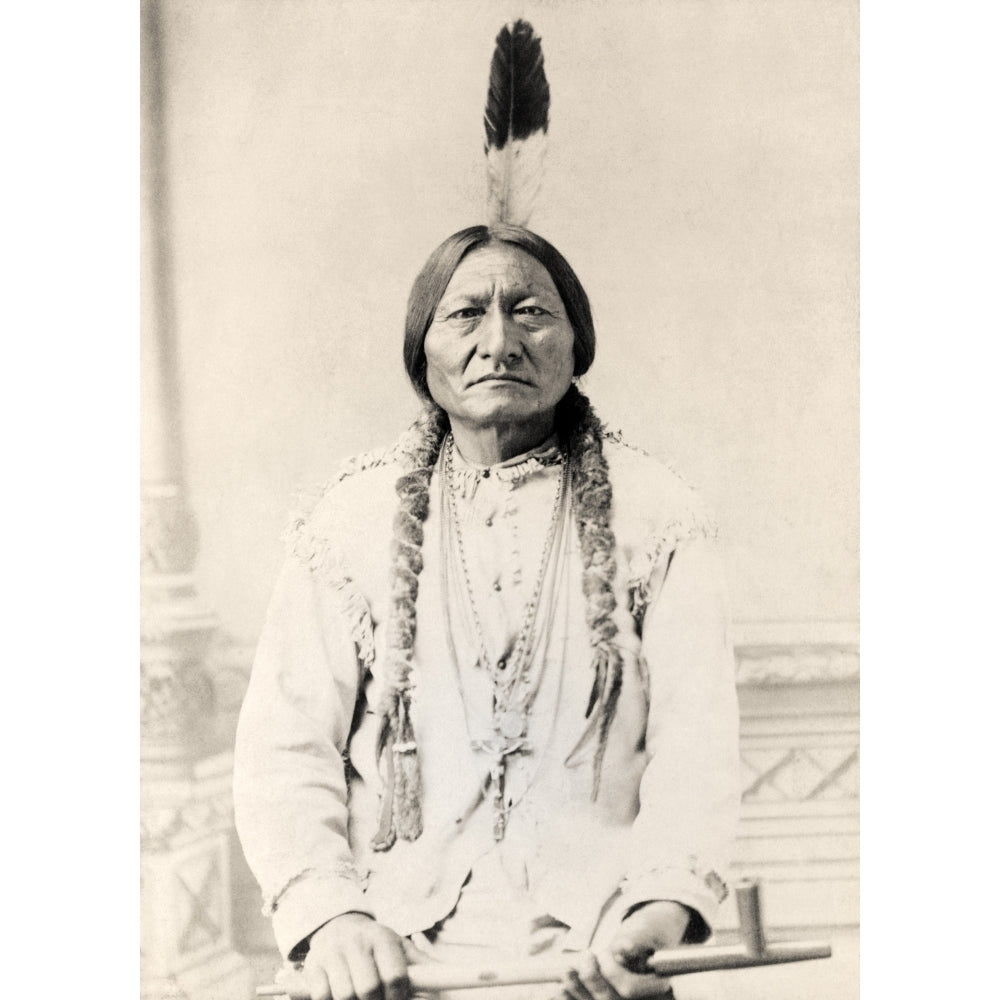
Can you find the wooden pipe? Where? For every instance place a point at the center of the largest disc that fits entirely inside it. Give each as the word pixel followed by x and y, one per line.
pixel 752 951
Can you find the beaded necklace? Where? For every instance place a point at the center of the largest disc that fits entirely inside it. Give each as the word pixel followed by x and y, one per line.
pixel 512 692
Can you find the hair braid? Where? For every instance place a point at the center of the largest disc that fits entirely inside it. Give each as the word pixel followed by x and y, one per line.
pixel 592 496
pixel 582 433
pixel 400 809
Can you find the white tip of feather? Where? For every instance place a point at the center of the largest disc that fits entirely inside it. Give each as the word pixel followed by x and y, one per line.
pixel 514 176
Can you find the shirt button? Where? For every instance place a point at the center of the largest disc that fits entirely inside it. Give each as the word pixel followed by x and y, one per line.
pixel 496 586
pixel 489 522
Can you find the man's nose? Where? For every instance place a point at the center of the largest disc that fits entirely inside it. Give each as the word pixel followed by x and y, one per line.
pixel 499 337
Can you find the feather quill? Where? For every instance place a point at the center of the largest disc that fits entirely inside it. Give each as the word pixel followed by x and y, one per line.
pixel 516 122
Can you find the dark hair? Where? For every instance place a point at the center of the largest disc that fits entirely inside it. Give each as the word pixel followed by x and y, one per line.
pixel 435 275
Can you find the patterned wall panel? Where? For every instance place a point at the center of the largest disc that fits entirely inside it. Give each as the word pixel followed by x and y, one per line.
pixel 186 940
pixel 800 757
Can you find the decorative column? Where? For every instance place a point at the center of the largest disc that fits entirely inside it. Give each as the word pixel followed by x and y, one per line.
pixel 185 798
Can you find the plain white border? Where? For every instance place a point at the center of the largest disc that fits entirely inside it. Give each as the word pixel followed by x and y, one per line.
pixel 69 403
pixel 70 420
pixel 929 498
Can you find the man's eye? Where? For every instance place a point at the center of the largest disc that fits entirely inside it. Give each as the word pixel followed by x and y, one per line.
pixel 469 312
pixel 530 311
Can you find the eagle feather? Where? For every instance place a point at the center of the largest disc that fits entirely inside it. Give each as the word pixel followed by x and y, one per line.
pixel 516 122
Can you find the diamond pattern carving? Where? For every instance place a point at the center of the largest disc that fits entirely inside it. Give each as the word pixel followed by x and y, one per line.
pixel 201 904
pixel 797 775
pixel 160 826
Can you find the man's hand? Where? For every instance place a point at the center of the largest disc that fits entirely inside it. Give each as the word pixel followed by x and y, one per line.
pixel 621 970
pixel 354 958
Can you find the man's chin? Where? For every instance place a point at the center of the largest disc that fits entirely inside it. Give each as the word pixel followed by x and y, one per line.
pixel 498 414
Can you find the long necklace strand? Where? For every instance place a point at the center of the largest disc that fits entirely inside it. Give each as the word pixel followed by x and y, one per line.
pixel 507 671
pixel 510 695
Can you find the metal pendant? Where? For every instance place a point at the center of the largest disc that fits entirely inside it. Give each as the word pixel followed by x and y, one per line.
pixel 512 723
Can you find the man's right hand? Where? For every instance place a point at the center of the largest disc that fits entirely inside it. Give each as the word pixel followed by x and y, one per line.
pixel 354 958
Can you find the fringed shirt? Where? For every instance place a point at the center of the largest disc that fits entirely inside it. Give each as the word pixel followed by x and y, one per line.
pixel 307 786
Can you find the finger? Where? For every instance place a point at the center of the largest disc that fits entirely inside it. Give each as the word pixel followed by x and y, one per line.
pixel 630 984
pixel 573 988
pixel 631 954
pixel 390 960
pixel 411 951
pixel 572 985
pixel 338 975
pixel 316 980
pixel 587 977
pixel 364 972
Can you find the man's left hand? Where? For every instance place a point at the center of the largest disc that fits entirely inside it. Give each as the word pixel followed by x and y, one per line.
pixel 621 972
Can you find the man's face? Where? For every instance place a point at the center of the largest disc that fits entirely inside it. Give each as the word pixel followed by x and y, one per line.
pixel 500 347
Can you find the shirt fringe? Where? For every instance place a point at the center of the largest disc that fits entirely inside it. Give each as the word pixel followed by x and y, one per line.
pixel 644 565
pixel 318 553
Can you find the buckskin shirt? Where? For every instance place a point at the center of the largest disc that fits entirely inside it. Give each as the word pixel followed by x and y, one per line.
pixel 307 787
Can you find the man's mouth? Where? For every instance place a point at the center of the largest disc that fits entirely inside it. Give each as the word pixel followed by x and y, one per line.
pixel 501 378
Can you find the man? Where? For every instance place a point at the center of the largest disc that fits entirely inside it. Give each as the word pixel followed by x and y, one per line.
pixel 493 710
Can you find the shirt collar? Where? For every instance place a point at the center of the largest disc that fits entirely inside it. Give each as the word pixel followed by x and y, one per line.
pixel 513 470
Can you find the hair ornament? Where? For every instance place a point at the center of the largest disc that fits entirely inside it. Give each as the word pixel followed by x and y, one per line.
pixel 516 121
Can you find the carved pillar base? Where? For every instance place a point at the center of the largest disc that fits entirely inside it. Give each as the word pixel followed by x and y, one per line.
pixel 176 699
pixel 176 703
pixel 222 977
pixel 186 935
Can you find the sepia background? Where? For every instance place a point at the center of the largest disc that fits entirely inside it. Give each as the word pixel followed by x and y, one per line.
pixel 300 159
